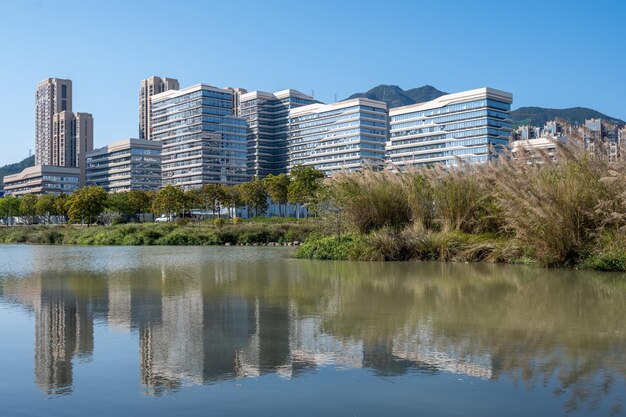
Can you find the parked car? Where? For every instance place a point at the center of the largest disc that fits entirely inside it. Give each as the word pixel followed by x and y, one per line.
pixel 165 218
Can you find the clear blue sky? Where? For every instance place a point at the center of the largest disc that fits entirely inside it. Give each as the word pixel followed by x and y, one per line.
pixel 547 53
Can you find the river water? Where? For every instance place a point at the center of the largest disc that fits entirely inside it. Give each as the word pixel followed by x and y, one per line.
pixel 115 331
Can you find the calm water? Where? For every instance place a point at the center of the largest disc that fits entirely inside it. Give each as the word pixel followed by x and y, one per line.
pixel 151 331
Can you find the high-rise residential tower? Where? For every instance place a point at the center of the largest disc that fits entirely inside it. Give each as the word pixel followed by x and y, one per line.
pixel 149 87
pixel 345 136
pixel 267 115
pixel 53 95
pixel 471 126
pixel 72 138
pixel 203 141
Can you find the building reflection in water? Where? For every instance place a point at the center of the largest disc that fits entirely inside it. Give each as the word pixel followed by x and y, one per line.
pixel 225 320
pixel 63 330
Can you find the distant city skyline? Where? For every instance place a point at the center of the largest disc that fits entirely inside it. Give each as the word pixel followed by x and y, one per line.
pixel 556 55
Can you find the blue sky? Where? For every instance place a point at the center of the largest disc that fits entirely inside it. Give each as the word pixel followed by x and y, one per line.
pixel 547 53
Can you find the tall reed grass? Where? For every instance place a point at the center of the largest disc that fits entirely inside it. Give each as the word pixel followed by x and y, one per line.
pixel 559 212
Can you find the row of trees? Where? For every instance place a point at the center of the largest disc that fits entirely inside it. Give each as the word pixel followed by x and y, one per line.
pixel 90 204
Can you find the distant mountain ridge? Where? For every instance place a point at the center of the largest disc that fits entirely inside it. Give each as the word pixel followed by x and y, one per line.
pixel 11 169
pixel 395 96
pixel 538 116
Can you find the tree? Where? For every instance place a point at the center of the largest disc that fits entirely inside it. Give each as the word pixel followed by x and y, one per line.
pixel 45 206
pixel 168 200
pixel 191 199
pixel 61 205
pixel 253 194
pixel 213 196
pixel 139 202
pixel 277 187
pixel 9 207
pixel 232 199
pixel 304 185
pixel 118 203
pixel 27 207
pixel 87 204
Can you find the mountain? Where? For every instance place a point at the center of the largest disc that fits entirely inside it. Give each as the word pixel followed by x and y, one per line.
pixel 538 116
pixel 17 167
pixel 424 93
pixel 395 96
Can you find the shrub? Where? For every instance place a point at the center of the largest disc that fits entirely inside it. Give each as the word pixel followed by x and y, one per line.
pixel 390 245
pixel 609 253
pixel 219 222
pixel 371 200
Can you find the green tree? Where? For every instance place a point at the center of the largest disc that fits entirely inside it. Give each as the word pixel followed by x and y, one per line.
pixel 277 187
pixel 27 207
pixel 45 206
pixel 168 200
pixel 118 203
pixel 304 185
pixel 254 195
pixel 139 202
pixel 232 200
pixel 191 200
pixel 87 204
pixel 213 196
pixel 61 205
pixel 9 207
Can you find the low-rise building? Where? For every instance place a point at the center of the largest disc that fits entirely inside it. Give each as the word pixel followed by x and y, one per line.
pixel 43 179
pixel 534 150
pixel 129 164
pixel 345 136
pixel 471 126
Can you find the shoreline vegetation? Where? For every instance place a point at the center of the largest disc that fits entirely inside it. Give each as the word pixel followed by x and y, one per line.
pixel 179 233
pixel 565 209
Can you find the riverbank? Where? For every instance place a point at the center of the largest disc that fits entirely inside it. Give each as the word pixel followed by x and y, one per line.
pixel 410 245
pixel 313 243
pixel 177 234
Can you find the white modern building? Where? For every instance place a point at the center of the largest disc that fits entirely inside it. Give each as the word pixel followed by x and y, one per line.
pixel 534 150
pixel 345 136
pixel 43 179
pixel 203 142
pixel 267 115
pixel 125 165
pixel 472 126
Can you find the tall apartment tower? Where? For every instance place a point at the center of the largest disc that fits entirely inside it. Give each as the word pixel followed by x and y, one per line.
pixel 53 95
pixel 72 138
pixel 149 87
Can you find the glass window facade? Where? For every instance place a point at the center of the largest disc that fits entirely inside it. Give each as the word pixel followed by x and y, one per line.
pixel 267 115
pixel 344 136
pixel 134 164
pixel 202 141
pixel 473 127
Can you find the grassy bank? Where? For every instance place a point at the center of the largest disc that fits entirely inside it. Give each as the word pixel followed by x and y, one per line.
pixel 200 233
pixel 387 245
